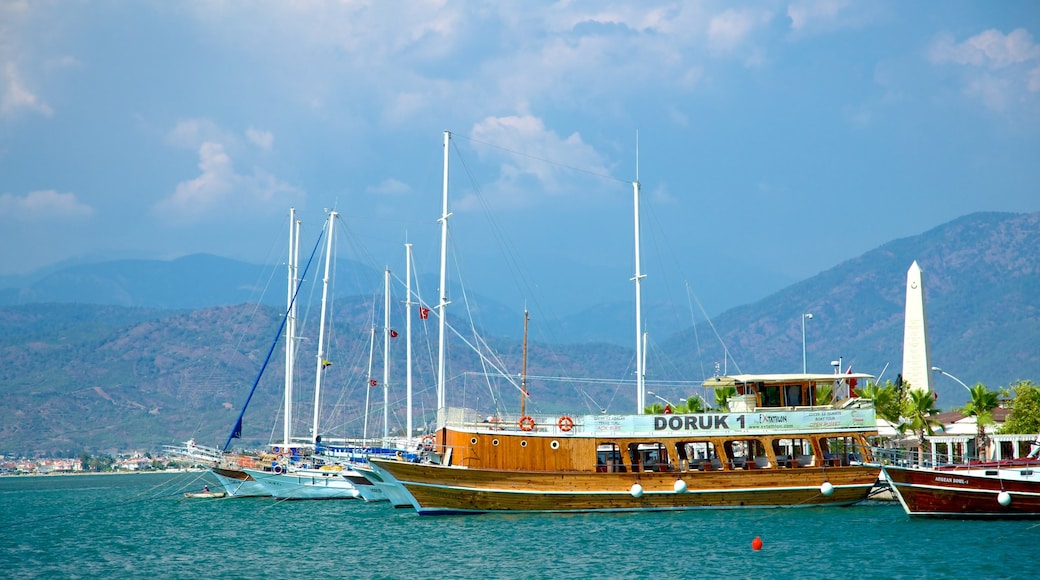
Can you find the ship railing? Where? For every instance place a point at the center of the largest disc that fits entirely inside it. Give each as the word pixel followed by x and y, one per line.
pixel 542 423
pixel 912 457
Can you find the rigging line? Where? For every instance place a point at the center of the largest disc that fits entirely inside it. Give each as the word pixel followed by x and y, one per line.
pixel 477 338
pixel 696 335
pixel 711 325
pixel 546 161
pixel 238 423
pixel 595 380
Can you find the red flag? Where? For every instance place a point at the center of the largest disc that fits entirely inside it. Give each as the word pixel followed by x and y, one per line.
pixel 424 312
pixel 393 333
pixel 852 382
pixel 373 382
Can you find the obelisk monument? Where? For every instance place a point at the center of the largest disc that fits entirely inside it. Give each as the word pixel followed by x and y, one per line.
pixel 917 369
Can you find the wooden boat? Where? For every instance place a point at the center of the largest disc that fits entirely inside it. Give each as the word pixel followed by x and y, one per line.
pixel 994 490
pixel 746 457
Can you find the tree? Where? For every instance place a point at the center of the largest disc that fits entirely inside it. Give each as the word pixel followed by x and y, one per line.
pixel 887 400
pixel 693 404
pixel 1025 408
pixel 981 406
pixel 917 409
pixel 723 395
pixel 654 409
pixel 824 394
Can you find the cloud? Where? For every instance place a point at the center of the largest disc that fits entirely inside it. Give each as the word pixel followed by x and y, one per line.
pixel 262 139
pixel 997 68
pixel 38 206
pixel 15 97
pixel 729 30
pixel 816 14
pixel 389 186
pixel 989 49
pixel 532 161
pixel 219 190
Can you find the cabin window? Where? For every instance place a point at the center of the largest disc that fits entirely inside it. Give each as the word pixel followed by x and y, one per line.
pixel 746 454
pixel 840 450
pixel 649 457
pixel 698 455
pixel 793 395
pixel 794 452
pixel 608 459
pixel 770 396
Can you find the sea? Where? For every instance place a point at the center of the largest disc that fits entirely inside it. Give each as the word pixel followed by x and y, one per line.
pixel 142 526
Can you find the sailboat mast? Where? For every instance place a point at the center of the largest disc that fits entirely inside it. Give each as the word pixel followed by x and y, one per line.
pixel 442 305
pixel 290 328
pixel 408 340
pixel 386 356
pixel 640 378
pixel 368 379
pixel 321 327
pixel 523 371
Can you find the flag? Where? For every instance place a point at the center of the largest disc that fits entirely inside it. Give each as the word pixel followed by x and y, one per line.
pixel 424 312
pixel 325 363
pixel 852 382
pixel 236 433
pixel 372 382
pixel 393 333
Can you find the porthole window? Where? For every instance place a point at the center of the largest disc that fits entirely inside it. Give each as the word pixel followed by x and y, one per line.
pixel 494 442
pixel 555 444
pixel 523 443
pixel 473 441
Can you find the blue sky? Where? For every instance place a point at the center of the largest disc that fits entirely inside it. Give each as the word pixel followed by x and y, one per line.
pixel 775 139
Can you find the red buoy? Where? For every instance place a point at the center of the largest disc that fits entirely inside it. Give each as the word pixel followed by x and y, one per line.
pixel 756 544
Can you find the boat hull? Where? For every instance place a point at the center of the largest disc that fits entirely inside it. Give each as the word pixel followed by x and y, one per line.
pixel 966 494
pixel 238 483
pixel 311 484
pixel 436 489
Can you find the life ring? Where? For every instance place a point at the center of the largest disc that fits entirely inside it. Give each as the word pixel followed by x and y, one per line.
pixel 277 469
pixel 565 423
pixel 427 442
pixel 526 423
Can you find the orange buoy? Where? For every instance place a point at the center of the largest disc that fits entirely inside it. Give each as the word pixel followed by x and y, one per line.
pixel 756 544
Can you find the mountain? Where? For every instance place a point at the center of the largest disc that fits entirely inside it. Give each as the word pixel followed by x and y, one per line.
pixel 981 279
pixel 158 368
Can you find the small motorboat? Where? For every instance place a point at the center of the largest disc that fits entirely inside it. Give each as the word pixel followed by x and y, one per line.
pixel 204 494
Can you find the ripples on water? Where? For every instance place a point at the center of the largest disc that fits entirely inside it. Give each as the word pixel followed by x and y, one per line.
pixel 140 526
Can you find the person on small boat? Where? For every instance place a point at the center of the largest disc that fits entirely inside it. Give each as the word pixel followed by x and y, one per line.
pixel 205 489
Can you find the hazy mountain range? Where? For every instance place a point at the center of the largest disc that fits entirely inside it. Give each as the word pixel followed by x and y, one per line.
pixel 137 353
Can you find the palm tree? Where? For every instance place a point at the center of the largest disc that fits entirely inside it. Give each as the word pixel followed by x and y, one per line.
pixel 722 396
pixel 694 404
pixel 886 400
pixel 981 406
pixel 654 409
pixel 918 408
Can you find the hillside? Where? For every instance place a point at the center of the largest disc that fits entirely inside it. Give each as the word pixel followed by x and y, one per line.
pixel 103 377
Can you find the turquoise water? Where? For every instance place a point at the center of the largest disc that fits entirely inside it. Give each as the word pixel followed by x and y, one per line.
pixel 138 526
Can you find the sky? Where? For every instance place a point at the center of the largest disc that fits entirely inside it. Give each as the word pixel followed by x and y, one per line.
pixel 772 140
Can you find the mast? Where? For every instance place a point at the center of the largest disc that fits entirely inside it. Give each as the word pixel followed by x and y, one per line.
pixel 523 371
pixel 386 356
pixel 638 279
pixel 408 340
pixel 321 327
pixel 290 325
pixel 442 305
pixel 368 379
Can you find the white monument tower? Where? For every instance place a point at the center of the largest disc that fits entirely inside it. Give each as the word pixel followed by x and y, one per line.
pixel 917 369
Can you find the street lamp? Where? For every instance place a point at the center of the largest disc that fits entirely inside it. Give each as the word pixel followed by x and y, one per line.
pixel 804 317
pixel 666 401
pixel 940 371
